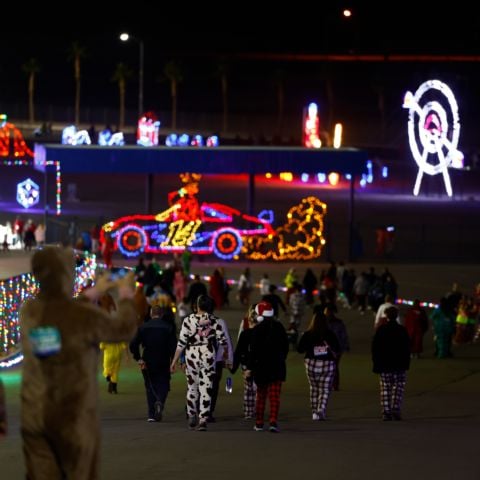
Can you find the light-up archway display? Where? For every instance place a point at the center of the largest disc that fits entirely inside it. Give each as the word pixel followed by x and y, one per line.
pixel 433 131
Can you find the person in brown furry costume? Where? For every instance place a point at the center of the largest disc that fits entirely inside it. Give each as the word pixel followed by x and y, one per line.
pixel 3 413
pixel 59 394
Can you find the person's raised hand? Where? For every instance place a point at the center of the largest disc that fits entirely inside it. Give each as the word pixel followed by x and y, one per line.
pixel 126 285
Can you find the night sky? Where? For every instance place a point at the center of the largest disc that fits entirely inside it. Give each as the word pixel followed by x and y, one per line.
pixel 203 36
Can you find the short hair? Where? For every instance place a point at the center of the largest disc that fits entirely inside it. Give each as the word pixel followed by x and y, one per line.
pixel 205 303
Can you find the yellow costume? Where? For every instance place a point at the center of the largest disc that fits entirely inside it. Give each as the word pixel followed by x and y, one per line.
pixel 112 356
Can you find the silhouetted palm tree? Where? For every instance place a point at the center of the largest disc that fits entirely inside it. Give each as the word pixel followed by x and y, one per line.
pixel 31 68
pixel 221 73
pixel 77 52
pixel 173 72
pixel 121 75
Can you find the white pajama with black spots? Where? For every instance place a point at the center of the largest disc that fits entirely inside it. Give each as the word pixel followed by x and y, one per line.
pixel 199 335
pixel 200 362
pixel 320 374
pixel 392 386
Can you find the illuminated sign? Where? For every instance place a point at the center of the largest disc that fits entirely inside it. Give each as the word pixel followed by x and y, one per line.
pixel 28 193
pixel 433 131
pixel 311 127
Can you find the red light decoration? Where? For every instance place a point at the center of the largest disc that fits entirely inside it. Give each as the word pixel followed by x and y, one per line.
pixel 12 143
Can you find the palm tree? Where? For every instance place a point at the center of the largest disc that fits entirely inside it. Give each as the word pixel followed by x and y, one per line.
pixel 173 73
pixel 221 73
pixel 31 68
pixel 77 52
pixel 121 75
pixel 279 77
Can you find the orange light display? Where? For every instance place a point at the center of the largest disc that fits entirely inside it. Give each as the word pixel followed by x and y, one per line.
pixel 300 238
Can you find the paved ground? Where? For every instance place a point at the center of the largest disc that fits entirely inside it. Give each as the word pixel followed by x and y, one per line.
pixel 437 439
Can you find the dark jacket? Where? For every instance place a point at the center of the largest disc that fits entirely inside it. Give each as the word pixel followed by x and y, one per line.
pixel 391 348
pixel 309 340
pixel 159 341
pixel 268 352
pixel 242 350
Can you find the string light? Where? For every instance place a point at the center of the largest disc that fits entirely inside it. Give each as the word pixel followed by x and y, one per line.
pixel 301 238
pixel 16 290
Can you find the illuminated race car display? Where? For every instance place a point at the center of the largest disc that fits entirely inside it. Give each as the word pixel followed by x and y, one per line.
pixel 211 228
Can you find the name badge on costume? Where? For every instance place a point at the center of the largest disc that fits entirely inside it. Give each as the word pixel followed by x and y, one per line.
pixel 45 341
pixel 320 351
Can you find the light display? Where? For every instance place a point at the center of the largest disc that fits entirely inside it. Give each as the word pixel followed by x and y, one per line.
pixel 311 127
pixel 58 185
pixel 197 141
pixel 12 143
pixel 70 136
pixel 433 131
pixel 301 238
pixel 201 228
pixel 106 138
pixel 337 135
pixel 28 193
pixel 148 129
pixel 15 290
pixel 213 141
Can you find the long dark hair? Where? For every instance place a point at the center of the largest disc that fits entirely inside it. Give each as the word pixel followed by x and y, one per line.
pixel 318 324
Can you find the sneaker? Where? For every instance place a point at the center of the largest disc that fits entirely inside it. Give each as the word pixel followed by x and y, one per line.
pixel 315 417
pixel 248 417
pixel 258 427
pixel 387 417
pixel 192 422
pixel 274 428
pixel 158 411
pixel 202 426
pixel 150 420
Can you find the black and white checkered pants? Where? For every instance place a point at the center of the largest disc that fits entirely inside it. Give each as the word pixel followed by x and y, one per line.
pixel 392 386
pixel 249 395
pixel 320 374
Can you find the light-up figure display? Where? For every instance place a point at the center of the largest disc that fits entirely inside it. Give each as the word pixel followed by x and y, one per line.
pixel 12 143
pixel 72 136
pixel 311 127
pixel 202 228
pixel 28 193
pixel 107 138
pixel 433 131
pixel 148 129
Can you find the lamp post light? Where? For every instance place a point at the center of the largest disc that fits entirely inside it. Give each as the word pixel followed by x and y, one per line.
pixel 124 37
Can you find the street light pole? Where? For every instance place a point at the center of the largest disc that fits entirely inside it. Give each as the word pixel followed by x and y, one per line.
pixel 124 37
pixel 140 79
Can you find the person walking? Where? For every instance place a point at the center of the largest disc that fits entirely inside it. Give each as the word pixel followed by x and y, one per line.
pixel 112 352
pixel 337 326
pixel 158 340
pixel 3 412
pixel 240 358
pixel 222 360
pixel 391 359
pixel 266 364
pixel 416 323
pixel 59 395
pixel 200 337
pixel 321 347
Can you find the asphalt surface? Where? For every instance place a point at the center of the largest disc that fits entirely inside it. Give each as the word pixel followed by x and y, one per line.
pixel 438 437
